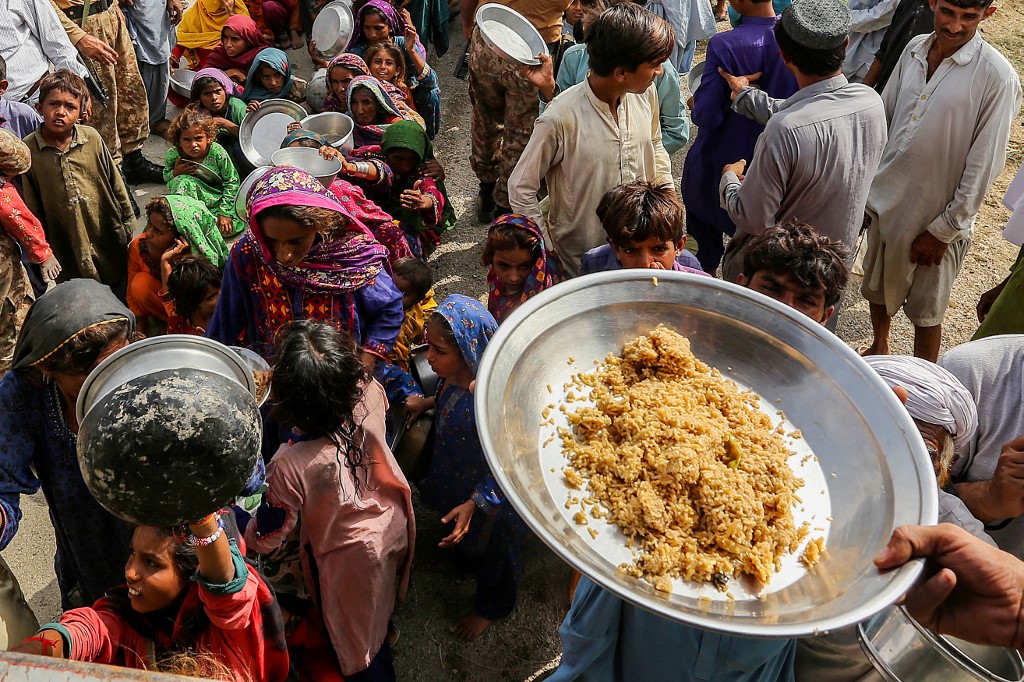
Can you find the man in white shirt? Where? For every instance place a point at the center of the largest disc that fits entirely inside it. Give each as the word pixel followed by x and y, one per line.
pixel 869 20
pixel 32 38
pixel 598 134
pixel 949 104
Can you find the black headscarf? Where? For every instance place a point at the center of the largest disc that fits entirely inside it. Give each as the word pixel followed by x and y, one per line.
pixel 61 314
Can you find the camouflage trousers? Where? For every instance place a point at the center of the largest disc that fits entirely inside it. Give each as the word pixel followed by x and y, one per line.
pixel 123 122
pixel 15 298
pixel 505 107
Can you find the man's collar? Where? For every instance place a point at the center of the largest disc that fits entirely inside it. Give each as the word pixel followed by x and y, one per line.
pixel 828 85
pixel 43 144
pixel 961 57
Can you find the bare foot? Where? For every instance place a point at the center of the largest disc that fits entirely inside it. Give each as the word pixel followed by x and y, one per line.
pixel 469 627
pixel 297 40
pixel 874 349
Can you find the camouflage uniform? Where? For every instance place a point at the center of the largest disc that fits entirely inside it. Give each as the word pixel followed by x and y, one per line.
pixel 15 298
pixel 123 122
pixel 505 107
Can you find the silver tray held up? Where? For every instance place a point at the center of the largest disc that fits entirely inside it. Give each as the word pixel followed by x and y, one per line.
pixel 872 473
pixel 262 131
pixel 496 24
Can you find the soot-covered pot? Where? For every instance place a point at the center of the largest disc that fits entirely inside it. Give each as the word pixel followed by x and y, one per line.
pixel 169 445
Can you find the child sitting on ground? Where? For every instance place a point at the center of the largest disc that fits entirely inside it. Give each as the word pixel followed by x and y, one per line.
pixel 199 167
pixel 193 287
pixel 215 93
pixel 188 590
pixel 518 265
pixel 337 474
pixel 486 532
pixel 270 77
pixel 174 225
pixel 644 224
pixel 75 189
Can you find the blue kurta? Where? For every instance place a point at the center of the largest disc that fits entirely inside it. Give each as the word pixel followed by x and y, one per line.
pixel 605 639
pixel 38 450
pixel 723 136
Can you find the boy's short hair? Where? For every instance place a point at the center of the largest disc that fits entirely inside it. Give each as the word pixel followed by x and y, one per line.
pixel 640 210
pixel 64 81
pixel 416 273
pixel 191 275
pixel 797 250
pixel 192 115
pixel 627 36
pixel 809 60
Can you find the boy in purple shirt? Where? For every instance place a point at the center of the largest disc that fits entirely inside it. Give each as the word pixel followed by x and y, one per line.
pixel 644 224
pixel 723 135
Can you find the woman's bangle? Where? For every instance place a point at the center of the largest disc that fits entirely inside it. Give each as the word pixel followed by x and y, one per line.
pixel 425 72
pixel 196 541
pixel 362 169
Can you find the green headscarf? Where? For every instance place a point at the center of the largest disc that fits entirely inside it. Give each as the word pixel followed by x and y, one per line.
pixel 410 135
pixel 194 222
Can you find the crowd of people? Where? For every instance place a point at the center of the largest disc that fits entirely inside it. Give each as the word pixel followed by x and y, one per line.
pixel 823 128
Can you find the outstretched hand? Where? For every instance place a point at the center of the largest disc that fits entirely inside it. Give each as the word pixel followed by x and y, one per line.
pixel 737 83
pixel 461 516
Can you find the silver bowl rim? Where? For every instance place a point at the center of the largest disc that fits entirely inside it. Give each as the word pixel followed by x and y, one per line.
pixel 694 77
pixel 254 361
pixel 335 160
pixel 946 649
pixel 497 8
pixel 332 114
pixel 270 106
pixel 248 382
pixel 185 91
pixel 242 198
pixel 899 580
pixel 342 8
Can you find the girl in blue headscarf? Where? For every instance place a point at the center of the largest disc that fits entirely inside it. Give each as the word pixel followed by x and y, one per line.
pixel 270 77
pixel 486 532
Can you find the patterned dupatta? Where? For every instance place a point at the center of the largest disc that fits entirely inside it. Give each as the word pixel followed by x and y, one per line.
pixel 546 271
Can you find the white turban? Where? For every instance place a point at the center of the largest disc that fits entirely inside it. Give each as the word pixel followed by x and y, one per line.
pixel 936 396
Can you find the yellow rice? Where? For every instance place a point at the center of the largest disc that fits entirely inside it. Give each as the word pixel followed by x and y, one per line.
pixel 652 448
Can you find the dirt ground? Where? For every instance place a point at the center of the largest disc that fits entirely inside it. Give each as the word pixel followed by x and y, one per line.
pixel 525 647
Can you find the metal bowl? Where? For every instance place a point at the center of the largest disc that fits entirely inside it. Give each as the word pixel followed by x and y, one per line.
pixel 872 474
pixel 172 351
pixel 333 29
pixel 335 126
pixel 694 77
pixel 309 160
pixel 316 92
pixel 181 82
pixel 243 191
pixel 260 369
pixel 205 173
pixel 509 34
pixel 263 130
pixel 901 649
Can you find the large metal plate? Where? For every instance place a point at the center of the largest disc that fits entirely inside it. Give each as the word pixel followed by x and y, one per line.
pixel 243 191
pixel 333 29
pixel 509 34
pixel 873 473
pixel 181 82
pixel 263 130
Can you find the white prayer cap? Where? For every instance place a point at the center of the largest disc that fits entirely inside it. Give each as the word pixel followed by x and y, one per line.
pixel 936 396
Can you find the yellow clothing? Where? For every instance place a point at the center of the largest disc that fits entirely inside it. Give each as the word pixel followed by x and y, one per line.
pixel 201 24
pixel 411 333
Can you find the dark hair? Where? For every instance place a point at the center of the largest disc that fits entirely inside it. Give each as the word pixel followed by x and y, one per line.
pixel 640 210
pixel 373 10
pixel 306 142
pixel 192 115
pixel 970 4
pixel 65 81
pixel 183 553
pixel 309 217
pixel 808 60
pixel 78 355
pixel 416 273
pixel 3 69
pixel 202 83
pixel 797 250
pixel 444 328
pixel 506 238
pixel 393 50
pixel 316 385
pixel 160 206
pixel 191 275
pixel 627 36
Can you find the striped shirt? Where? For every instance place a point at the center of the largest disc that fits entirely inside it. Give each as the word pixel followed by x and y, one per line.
pixel 32 38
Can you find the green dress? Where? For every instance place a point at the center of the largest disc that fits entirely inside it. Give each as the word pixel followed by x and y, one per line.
pixel 1007 313
pixel 219 197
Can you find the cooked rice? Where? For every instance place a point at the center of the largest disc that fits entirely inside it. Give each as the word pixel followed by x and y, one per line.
pixel 685 463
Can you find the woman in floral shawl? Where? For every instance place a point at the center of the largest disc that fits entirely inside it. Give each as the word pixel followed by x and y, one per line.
pixel 375 108
pixel 174 224
pixel 305 257
pixel 518 265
